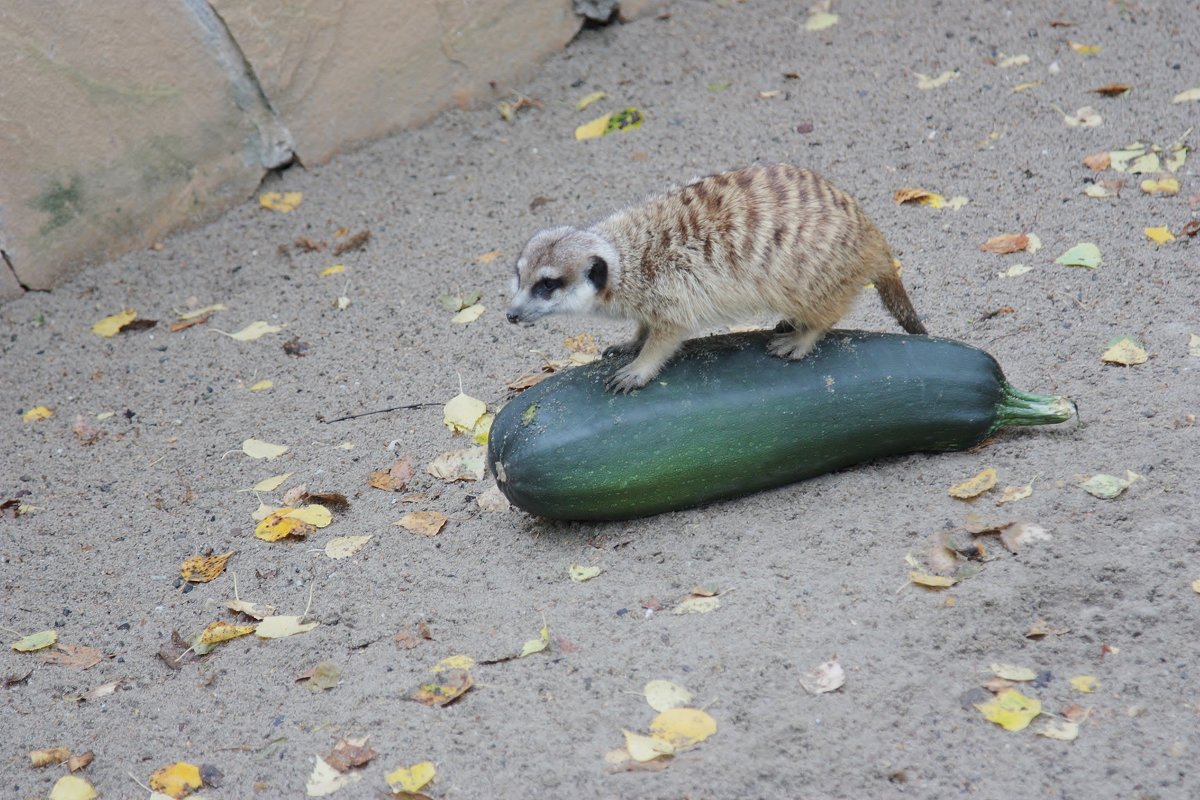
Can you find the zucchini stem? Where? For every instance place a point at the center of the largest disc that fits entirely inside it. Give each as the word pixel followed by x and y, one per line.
pixel 1026 408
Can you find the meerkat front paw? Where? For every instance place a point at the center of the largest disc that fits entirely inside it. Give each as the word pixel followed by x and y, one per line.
pixel 624 348
pixel 627 378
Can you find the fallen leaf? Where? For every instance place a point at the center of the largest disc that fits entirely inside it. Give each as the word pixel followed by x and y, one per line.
pixel 1191 228
pixel 683 727
pixel 1084 117
pixel 255 330
pixel 1125 350
pixel 281 627
pixel 345 546
pixel 820 20
pixel 253 610
pixel 1024 87
pixel 1097 161
pixel 468 314
pixel 114 323
pixel 663 695
pixel 37 414
pixel 925 82
pixel 1111 89
pixel 35 641
pixel 697 605
pixel 80 761
pixel 278 525
pixel 72 787
pixel 1011 672
pixel 176 652
pixel 1005 243
pixel 719 86
pixel 624 120
pixel 221 631
pixel 646 748
pixel 103 690
pixel 536 645
pixel 411 779
pixel 449 686
pixel 176 780
pixel 1011 494
pixel 826 677
pixel 1109 487
pixel 49 756
pixel 1010 710
pixel 1013 61
pixel 202 569
pixel 262 386
pixel 1042 628
pixel 350 752
pixel 325 780
pixel 336 269
pixel 355 242
pixel 975 486
pixel 453 662
pixel 73 655
pixel 580 573
pixel 1084 254
pixel 425 523
pixel 458 465
pixel 1084 683
pixel 1194 345
pixel 924 197
pixel 493 501
pixel 1188 96
pixel 1019 534
pixel 587 100
pixel 1160 235
pixel 257 448
pixel 283 202
pixel 931 581
pixel 395 478
pixel 1058 729
pixel 463 413
pixel 1165 186
pixel 1084 49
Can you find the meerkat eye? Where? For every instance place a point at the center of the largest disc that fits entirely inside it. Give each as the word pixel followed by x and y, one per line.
pixel 546 287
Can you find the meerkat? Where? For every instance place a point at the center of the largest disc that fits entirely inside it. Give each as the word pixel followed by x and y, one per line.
pixel 772 238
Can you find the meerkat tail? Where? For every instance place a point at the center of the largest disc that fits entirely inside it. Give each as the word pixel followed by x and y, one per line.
pixel 895 300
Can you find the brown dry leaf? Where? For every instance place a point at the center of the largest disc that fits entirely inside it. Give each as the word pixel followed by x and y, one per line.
pixel 350 752
pixel 49 756
pixel 1112 89
pixel 826 677
pixel 529 379
pixel 1019 534
pixel 307 245
pixel 202 569
pixel 395 478
pixel 1097 161
pixel 1042 628
pixel 85 433
pixel 355 242
pixel 425 523
pixel 80 761
pixel 448 686
pixel 1006 243
pixel 914 194
pixel 975 486
pixel 1191 228
pixel 334 500
pixel 73 655
pixel 176 652
pixel 103 690
pixel 184 324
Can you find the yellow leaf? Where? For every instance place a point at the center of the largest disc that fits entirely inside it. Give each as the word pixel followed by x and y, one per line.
pixel 255 610
pixel 1109 487
pixel 1013 493
pixel 932 581
pixel 283 202
pixel 618 121
pixel 646 748
pixel 1187 96
pixel 411 779
pixel 1085 683
pixel 280 627
pixel 483 428
pixel 683 727
pixel 1024 87
pixel 1160 235
pixel 177 780
pixel 35 641
pixel 262 386
pixel 37 414
pixel 665 695
pixel 448 687
pixel 820 20
pixel 469 314
pixel 1059 729
pixel 272 483
pixel 53 755
pixel 1196 586
pixel 1167 186
pixel 697 605
pixel 1085 49
pixel 278 525
pixel 1010 710
pixel 453 662
pixel 345 546
pixel 975 486
pixel 588 99
pixel 425 523
pixel 536 645
pixel 594 129
pixel 313 514
pixel 1011 672
pixel 72 787
pixel 202 569
pixel 220 631
pixel 336 269
pixel 1013 61
pixel 111 325
pixel 462 413
pixel 342 303
pixel 924 197
pixel 200 312
pixel 580 573
pixel 257 448
pixel 255 330
pixel 1125 350
pixel 925 82
pixel 1084 254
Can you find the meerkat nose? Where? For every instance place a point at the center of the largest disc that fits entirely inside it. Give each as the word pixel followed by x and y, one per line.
pixel 513 317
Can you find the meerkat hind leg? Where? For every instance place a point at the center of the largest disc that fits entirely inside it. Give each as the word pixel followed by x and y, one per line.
pixel 631 346
pixel 660 345
pixel 795 344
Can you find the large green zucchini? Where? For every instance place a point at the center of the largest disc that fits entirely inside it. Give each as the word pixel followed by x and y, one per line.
pixel 726 418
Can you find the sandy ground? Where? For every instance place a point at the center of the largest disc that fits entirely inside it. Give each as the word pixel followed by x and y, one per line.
pixel 811 570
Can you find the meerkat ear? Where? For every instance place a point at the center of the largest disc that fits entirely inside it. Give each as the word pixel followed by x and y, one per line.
pixel 597 273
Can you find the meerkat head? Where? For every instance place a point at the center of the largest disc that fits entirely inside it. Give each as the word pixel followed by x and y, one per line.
pixel 562 270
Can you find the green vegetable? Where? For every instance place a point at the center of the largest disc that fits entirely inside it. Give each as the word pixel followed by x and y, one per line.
pixel 725 418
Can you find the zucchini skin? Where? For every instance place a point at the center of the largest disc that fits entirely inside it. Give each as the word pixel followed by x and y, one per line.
pixel 726 418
